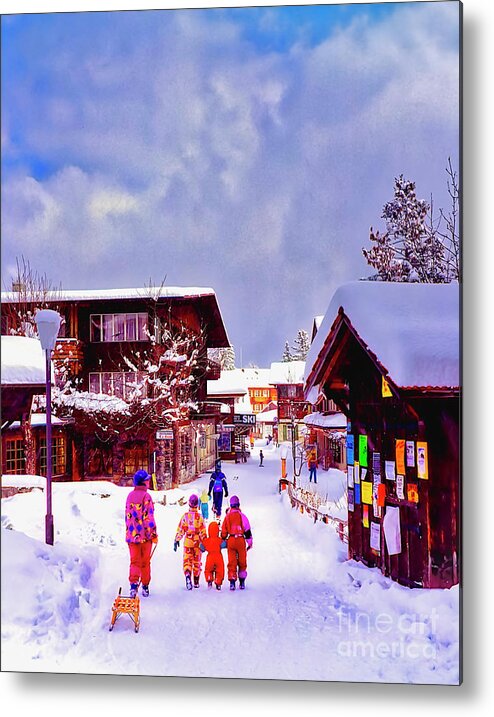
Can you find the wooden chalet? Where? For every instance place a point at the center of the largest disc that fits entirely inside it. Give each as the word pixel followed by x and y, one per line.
pixel 388 355
pixel 101 334
pixel 288 379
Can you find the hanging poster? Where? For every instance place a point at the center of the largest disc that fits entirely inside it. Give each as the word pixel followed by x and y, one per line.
pixel 381 495
pixel 385 390
pixel 422 467
pixel 400 456
pixel 362 451
pixel 410 454
pixel 356 472
pixel 375 537
pixel 363 473
pixel 413 492
pixel 389 468
pixel 351 500
pixel 365 516
pixel 392 532
pixel 376 462
pixel 375 502
pixel 366 492
pixel 349 470
pixel 356 493
pixel 349 449
pixel 400 487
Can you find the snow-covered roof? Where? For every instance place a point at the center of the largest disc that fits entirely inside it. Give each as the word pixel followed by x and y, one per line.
pixel 411 328
pixel 318 320
pixel 39 419
pixel 267 416
pixel 102 294
pixel 238 381
pixel 287 372
pixel 332 420
pixel 23 361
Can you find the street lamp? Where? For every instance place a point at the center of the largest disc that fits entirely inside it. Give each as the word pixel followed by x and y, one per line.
pixel 48 323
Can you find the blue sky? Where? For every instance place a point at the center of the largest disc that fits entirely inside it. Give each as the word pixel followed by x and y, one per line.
pixel 247 149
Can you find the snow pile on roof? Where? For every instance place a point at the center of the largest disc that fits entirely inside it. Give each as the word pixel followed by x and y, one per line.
pixel 267 416
pixel 287 372
pixel 102 294
pixel 239 380
pixel 39 419
pixel 413 329
pixel 23 361
pixel 333 420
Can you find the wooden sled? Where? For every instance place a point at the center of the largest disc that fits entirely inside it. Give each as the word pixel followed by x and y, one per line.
pixel 126 605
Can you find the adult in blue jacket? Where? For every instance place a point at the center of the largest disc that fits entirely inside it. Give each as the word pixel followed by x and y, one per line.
pixel 218 487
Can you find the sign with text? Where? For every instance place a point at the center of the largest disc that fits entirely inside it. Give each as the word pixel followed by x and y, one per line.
pixel 244 419
pixel 165 435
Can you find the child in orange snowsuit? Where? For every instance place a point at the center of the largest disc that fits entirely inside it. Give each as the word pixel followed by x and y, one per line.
pixel 236 530
pixel 192 527
pixel 215 566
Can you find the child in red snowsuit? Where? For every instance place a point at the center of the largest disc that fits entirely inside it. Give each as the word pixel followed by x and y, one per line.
pixel 236 529
pixel 192 527
pixel 140 533
pixel 215 566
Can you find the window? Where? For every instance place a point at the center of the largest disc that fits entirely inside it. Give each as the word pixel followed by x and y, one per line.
pixel 135 458
pixel 15 456
pixel 185 450
pixel 118 327
pixel 291 391
pixel 265 392
pixel 117 383
pixel 58 455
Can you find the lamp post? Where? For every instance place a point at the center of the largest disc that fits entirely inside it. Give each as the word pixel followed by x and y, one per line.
pixel 48 323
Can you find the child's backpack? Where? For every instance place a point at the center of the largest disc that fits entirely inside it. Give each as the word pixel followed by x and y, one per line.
pixel 218 485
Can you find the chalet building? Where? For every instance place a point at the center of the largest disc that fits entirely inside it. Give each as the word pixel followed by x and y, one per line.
pixel 109 340
pixel 327 433
pixel 261 393
pixel 288 379
pixel 388 355
pixel 232 390
pixel 23 377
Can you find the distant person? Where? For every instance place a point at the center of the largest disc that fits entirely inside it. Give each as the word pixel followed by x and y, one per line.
pixel 261 459
pixel 219 488
pixel 140 533
pixel 237 532
pixel 312 464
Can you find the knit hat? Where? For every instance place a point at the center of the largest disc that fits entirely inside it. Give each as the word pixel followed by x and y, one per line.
pixel 193 501
pixel 141 477
pixel 234 501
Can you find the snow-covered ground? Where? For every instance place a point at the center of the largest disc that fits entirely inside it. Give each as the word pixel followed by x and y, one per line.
pixel 307 613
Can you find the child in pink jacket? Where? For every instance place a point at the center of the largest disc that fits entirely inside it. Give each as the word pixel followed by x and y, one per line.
pixel 140 533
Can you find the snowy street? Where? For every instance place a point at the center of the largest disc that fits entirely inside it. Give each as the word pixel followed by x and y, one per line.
pixel 307 612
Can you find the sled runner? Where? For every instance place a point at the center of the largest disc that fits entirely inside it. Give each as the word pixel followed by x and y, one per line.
pixel 126 605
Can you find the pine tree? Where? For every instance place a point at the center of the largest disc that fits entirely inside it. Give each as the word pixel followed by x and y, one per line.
pixel 301 346
pixel 411 249
pixel 287 355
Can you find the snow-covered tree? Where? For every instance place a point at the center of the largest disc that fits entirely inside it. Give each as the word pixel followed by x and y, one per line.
pixel 412 247
pixel 225 357
pixel 165 377
pixel 301 346
pixel 287 354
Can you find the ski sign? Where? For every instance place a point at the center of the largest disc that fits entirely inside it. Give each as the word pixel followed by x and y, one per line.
pixel 244 419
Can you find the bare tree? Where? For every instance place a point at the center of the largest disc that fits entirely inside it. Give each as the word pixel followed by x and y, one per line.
pixel 29 291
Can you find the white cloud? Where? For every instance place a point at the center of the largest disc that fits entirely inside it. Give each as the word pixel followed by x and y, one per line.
pixel 224 166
